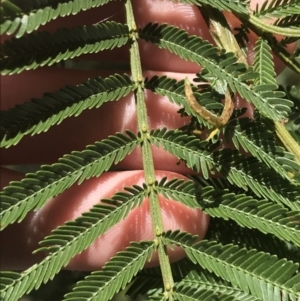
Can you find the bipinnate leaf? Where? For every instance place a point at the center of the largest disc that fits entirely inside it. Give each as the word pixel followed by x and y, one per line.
pixel 244 178
pixel 115 275
pixel 228 231
pixel 186 291
pixel 72 238
pixel 27 16
pixel 257 138
pixel 232 6
pixel 46 49
pixel 223 66
pixel 278 8
pixel 244 172
pixel 39 115
pixel 263 275
pixel 263 63
pixel 19 197
pixel 190 276
pixel 244 210
pixel 254 136
pixel 174 90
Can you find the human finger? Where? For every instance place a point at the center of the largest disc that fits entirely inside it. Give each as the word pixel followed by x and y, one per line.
pixel 50 79
pixel 21 239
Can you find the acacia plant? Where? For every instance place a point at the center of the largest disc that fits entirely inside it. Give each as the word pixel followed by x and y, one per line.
pixel 251 251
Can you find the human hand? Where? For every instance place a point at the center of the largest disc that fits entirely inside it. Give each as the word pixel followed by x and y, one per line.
pixel 75 133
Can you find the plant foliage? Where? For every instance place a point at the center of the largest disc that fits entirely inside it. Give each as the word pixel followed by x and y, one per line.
pixel 247 176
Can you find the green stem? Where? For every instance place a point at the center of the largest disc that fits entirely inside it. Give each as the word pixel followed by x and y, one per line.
pixel 263 25
pixel 283 54
pixel 143 126
pixel 221 32
pixel 287 140
pixel 224 39
pixel 277 48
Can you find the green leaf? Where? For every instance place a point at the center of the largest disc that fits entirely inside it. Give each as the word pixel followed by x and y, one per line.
pixel 165 86
pixel 278 8
pixel 19 197
pixel 259 140
pixel 196 277
pixel 221 66
pixel 189 148
pixel 292 21
pixel 251 250
pixel 247 172
pixel 40 114
pixel 244 172
pixel 263 63
pixel 264 276
pixel 115 275
pixel 72 238
pixel 45 49
pixel 232 6
pixel 230 232
pixel 186 291
pixel 29 15
pixel 244 210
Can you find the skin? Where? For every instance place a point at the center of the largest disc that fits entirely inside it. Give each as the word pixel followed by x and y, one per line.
pixel 75 133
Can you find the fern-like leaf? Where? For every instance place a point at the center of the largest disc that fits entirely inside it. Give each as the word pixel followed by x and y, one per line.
pixel 40 114
pixel 248 173
pixel 174 90
pixel 70 239
pixel 115 275
pixel 186 274
pixel 278 8
pixel 263 63
pixel 230 232
pixel 264 276
pixel 186 291
pixel 239 170
pixel 45 49
pixel 290 21
pixel 20 17
pixel 261 215
pixel 232 6
pixel 245 210
pixel 201 278
pixel 188 148
pixel 222 66
pixel 34 190
pixel 257 138
pixel 252 136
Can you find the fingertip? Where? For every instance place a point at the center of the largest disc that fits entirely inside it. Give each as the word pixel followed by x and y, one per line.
pixel 137 226
pixel 22 239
